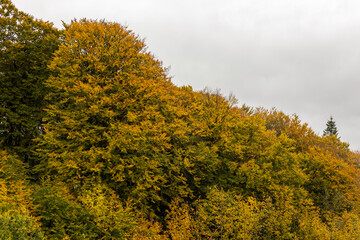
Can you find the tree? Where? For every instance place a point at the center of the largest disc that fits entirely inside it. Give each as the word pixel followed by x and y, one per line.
pixel 26 46
pixel 225 215
pixel 105 119
pixel 330 129
pixel 17 219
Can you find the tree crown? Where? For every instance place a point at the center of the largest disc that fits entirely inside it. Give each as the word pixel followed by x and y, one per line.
pixel 330 128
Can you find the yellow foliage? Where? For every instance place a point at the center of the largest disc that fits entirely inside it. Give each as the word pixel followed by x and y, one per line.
pixel 179 221
pixel 17 219
pixel 109 214
pixel 346 227
pixel 146 229
pixel 311 227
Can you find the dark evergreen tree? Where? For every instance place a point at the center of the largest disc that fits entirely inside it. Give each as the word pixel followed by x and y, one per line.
pixel 26 46
pixel 330 128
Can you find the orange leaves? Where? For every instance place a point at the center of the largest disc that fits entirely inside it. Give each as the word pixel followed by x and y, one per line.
pixel 115 119
pixel 291 126
pixel 333 182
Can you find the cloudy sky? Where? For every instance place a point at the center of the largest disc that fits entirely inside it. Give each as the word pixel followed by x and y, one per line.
pixel 300 56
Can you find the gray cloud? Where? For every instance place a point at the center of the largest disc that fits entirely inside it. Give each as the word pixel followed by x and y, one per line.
pixel 301 56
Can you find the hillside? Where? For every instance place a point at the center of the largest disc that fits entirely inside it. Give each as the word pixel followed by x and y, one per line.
pixel 97 143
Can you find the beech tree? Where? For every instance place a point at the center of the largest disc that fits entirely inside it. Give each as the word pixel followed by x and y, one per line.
pixel 104 122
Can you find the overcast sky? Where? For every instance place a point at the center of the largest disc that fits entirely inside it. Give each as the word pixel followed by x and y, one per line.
pixel 300 56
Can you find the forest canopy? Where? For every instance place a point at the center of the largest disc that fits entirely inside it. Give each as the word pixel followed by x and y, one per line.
pixel 98 143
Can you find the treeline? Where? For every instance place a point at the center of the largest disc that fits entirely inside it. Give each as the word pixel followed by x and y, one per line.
pixel 97 143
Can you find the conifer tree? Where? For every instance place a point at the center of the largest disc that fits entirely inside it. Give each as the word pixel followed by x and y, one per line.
pixel 330 128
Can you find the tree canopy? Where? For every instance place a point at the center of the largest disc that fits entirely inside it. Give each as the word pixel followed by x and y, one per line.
pixel 26 46
pixel 122 153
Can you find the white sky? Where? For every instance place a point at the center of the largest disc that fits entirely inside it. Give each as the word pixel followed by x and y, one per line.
pixel 300 56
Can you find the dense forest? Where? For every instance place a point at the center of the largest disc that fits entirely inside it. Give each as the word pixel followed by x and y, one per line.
pixel 97 143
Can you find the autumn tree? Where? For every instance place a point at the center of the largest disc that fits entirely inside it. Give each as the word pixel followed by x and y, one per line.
pixel 107 117
pixel 281 123
pixel 179 221
pixel 225 215
pixel 17 211
pixel 26 46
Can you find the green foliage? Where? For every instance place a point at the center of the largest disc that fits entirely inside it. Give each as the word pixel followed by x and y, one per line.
pixel 26 47
pixel 17 220
pixel 112 220
pixel 61 215
pixel 96 213
pixel 330 128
